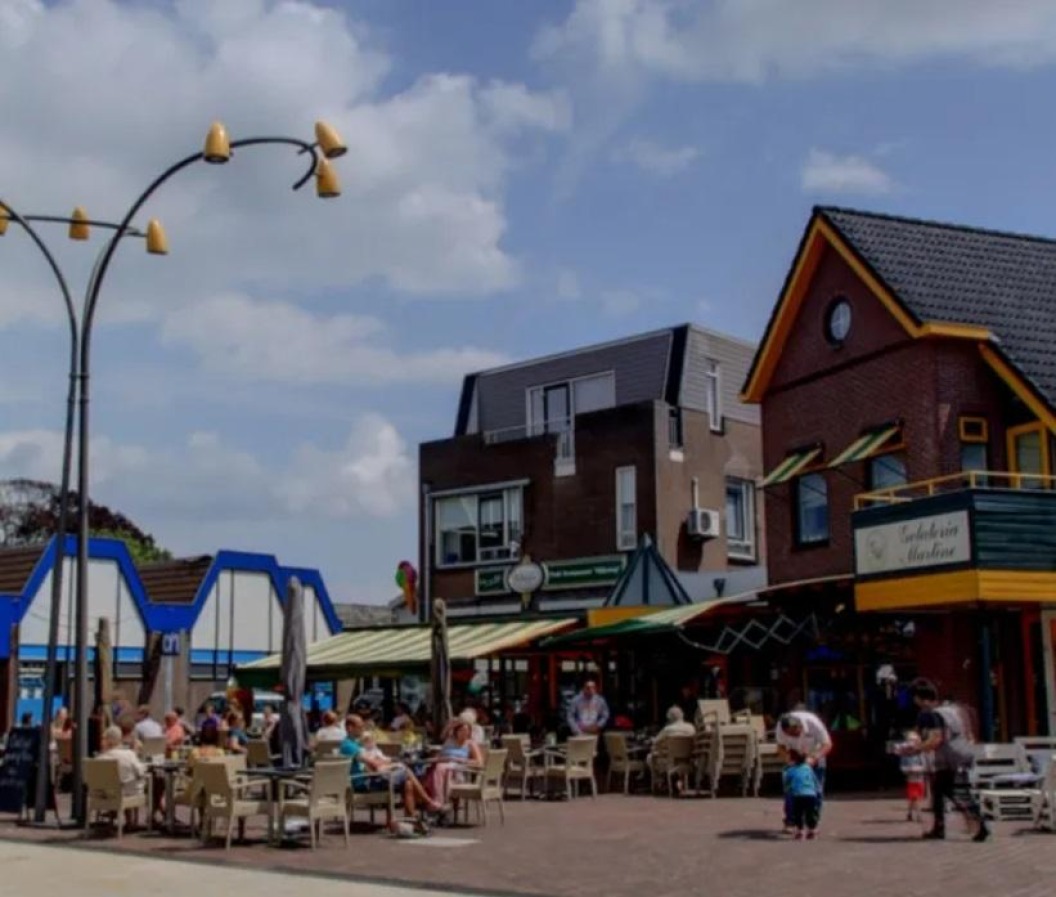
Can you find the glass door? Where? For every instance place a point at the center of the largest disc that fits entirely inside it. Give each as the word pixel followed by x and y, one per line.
pixel 557 412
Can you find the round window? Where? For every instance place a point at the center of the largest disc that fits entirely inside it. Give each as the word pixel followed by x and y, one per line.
pixel 838 322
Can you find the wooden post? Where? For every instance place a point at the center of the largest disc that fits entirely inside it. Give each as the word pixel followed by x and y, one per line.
pixel 151 668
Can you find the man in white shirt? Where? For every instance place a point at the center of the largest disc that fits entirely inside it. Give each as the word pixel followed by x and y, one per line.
pixel 146 726
pixel 801 731
pixel 676 725
pixel 588 712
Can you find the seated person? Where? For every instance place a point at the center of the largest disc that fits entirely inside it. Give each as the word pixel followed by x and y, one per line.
pixel 676 725
pixel 130 769
pixel 236 739
pixel 402 720
pixel 209 745
pixel 459 751
pixel 175 734
pixel 330 730
pixel 374 771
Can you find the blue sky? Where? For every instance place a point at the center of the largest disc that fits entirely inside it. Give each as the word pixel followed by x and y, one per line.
pixel 522 178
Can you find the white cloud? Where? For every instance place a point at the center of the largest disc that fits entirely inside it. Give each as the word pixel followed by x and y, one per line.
pixel 424 179
pixel 825 172
pixel 753 40
pixel 620 302
pixel 207 479
pixel 279 342
pixel 656 159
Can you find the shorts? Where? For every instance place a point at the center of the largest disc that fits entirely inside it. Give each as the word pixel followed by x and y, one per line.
pixel 372 784
pixel 914 791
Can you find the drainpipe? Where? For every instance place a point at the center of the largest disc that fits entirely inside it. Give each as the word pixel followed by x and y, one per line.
pixel 695 491
pixel 424 604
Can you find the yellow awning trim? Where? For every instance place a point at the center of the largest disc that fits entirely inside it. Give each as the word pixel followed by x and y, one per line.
pixel 865 446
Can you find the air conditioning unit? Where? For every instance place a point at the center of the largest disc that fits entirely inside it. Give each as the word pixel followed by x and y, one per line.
pixel 703 523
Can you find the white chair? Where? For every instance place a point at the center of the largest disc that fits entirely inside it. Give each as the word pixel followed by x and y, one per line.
pixel 1039 750
pixel 672 760
pixel 228 800
pixel 733 754
pixel 153 749
pixel 258 753
pixel 324 797
pixel 326 749
pixel 523 765
pixel 385 798
pixel 106 794
pixel 621 762
pixel 712 712
pixel 574 764
pixel 1001 801
pixel 481 786
pixel 1043 799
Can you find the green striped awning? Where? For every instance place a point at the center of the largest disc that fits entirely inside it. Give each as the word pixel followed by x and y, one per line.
pixel 792 465
pixel 865 446
pixel 649 624
pixel 392 648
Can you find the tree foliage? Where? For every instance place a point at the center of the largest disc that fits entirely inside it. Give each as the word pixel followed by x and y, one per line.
pixel 29 513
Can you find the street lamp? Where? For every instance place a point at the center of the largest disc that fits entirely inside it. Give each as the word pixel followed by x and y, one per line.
pixel 218 149
pixel 80 221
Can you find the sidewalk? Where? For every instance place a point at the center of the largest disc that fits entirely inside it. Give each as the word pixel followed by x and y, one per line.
pixel 34 869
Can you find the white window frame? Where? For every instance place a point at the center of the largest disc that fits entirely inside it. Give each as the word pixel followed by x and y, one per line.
pixel 713 393
pixel 626 539
pixel 536 428
pixel 509 550
pixel 743 549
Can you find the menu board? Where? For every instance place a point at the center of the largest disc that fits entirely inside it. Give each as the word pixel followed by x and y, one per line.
pixel 18 771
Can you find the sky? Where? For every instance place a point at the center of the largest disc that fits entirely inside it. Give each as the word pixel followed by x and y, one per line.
pixel 522 178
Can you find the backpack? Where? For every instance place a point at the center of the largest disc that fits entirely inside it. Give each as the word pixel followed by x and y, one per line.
pixel 955 752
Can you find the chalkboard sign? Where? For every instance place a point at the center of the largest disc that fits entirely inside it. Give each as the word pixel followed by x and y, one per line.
pixel 18 771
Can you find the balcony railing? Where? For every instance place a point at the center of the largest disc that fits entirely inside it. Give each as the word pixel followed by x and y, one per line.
pixel 956 482
pixel 563 430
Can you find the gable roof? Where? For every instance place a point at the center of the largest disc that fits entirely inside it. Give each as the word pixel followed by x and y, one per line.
pixel 941 272
pixel 938 280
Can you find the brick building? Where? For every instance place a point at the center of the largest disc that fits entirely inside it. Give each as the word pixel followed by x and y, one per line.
pixel 563 463
pixel 907 384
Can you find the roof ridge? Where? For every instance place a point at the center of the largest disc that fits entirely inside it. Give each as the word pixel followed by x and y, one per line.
pixel 932 222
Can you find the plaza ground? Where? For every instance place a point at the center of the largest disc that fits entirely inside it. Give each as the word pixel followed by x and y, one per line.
pixel 614 845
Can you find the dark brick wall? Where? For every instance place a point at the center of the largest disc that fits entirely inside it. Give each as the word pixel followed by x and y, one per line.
pixel 831 395
pixel 565 517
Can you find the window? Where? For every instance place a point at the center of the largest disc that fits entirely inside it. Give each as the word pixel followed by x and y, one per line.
pixel 740 519
pixel 674 428
pixel 887 471
pixel 812 509
pixel 593 393
pixel 975 457
pixel 626 509
pixel 550 408
pixel 1028 452
pixel 973 429
pixel 478 527
pixel 714 395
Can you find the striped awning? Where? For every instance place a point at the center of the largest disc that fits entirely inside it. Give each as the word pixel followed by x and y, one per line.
pixel 648 624
pixel 865 446
pixel 792 465
pixel 393 648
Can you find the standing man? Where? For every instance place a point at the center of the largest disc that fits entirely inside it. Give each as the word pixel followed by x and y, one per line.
pixel 945 734
pixel 588 711
pixel 801 731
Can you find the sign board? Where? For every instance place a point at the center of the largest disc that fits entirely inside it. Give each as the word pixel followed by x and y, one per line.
pixel 18 771
pixel 170 644
pixel 584 573
pixel 525 578
pixel 940 540
pixel 490 581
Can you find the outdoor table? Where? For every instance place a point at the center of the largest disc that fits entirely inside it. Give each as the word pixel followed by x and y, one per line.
pixel 169 769
pixel 277 776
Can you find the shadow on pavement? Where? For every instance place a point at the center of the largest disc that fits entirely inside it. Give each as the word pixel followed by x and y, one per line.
pixel 754 834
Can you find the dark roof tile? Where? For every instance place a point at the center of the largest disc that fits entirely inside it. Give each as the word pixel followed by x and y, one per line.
pixel 174 582
pixel 16 564
pixel 1004 282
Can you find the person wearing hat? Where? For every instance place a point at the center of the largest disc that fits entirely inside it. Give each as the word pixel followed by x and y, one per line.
pixel 802 732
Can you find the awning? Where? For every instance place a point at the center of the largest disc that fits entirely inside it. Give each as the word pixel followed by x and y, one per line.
pixel 668 620
pixel 865 446
pixel 394 648
pixel 788 468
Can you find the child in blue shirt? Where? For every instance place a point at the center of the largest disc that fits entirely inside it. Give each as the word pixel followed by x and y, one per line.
pixel 801 785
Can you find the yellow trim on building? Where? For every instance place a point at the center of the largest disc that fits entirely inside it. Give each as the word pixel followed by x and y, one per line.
pixel 605 616
pixel 1014 381
pixel 955 331
pixel 1012 433
pixel 933 590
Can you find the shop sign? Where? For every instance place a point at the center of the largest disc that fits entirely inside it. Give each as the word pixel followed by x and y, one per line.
pixel 491 581
pixel 584 573
pixel 940 540
pixel 525 578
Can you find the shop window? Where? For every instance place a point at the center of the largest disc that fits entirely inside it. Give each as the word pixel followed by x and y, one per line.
pixel 887 471
pixel 812 509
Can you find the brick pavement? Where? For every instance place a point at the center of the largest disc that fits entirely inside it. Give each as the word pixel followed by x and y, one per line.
pixel 657 846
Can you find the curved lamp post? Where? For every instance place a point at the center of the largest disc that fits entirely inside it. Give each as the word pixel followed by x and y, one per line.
pixel 79 227
pixel 218 150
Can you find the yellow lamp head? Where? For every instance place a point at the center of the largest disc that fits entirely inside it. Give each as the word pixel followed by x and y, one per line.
pixel 157 241
pixel 327 186
pixel 217 146
pixel 329 140
pixel 79 229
